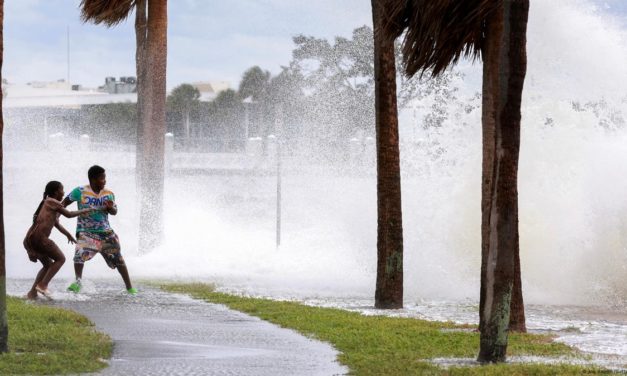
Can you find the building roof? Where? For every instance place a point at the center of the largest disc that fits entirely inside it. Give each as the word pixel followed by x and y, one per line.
pixel 57 95
pixel 60 94
pixel 210 89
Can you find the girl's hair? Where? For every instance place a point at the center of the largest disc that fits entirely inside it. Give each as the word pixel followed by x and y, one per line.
pixel 51 188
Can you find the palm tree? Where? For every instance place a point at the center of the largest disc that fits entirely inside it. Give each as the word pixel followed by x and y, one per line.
pixel 438 34
pixel 4 326
pixel 184 99
pixel 389 285
pixel 151 51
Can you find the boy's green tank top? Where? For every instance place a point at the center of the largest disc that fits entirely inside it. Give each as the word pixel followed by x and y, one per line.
pixel 96 221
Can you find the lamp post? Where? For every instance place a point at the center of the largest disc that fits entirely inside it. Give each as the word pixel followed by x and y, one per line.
pixel 279 139
pixel 248 101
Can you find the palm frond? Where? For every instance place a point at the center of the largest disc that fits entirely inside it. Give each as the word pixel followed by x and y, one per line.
pixel 109 12
pixel 438 32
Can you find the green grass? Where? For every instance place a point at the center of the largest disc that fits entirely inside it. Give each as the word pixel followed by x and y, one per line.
pixel 378 345
pixel 45 340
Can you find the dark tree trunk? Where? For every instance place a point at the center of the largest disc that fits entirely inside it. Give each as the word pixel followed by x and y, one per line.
pixel 488 144
pixel 4 325
pixel 151 154
pixel 141 38
pixel 517 321
pixel 505 62
pixel 389 289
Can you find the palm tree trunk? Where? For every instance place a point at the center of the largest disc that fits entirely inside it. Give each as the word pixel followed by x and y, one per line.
pixel 505 62
pixel 151 160
pixel 488 142
pixel 141 38
pixel 4 325
pixel 517 320
pixel 389 288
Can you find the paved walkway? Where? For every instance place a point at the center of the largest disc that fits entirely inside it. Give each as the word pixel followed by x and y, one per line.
pixel 157 333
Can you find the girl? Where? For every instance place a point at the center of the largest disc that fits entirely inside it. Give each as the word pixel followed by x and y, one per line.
pixel 37 242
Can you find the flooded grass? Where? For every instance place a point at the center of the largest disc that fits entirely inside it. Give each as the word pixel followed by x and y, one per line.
pixel 379 345
pixel 45 340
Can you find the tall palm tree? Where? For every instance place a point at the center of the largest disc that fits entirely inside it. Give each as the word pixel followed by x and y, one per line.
pixel 504 67
pixel 151 52
pixel 4 326
pixel 438 34
pixel 389 285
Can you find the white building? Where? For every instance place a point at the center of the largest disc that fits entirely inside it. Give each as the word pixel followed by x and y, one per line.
pixel 59 94
pixel 210 89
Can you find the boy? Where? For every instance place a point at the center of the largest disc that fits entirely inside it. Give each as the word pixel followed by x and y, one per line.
pixel 93 232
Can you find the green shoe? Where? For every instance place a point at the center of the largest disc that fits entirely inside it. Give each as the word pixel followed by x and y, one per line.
pixel 132 291
pixel 75 287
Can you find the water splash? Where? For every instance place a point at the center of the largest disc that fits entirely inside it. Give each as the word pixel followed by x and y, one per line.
pixel 572 179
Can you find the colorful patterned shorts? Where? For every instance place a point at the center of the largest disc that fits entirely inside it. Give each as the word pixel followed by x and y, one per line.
pixel 88 244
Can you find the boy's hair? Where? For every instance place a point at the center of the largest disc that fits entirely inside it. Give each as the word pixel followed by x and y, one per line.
pixel 94 171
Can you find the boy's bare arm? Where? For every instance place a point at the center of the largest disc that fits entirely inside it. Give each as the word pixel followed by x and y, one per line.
pixel 111 207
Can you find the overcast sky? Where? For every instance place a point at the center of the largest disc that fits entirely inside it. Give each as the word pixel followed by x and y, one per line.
pixel 207 39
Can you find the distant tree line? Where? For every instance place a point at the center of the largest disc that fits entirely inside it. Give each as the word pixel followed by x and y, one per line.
pixel 323 97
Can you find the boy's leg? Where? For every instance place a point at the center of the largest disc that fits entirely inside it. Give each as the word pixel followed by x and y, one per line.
pixel 78 270
pixel 113 257
pixel 114 260
pixel 83 253
pixel 124 273
pixel 79 262
pixel 78 273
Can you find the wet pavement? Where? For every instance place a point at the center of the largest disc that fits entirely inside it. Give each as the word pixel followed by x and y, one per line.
pixel 157 333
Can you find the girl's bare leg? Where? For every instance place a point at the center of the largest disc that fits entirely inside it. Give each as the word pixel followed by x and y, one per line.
pixel 32 294
pixel 58 258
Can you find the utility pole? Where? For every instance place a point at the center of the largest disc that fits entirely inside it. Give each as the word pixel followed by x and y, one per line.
pixel 248 101
pixel 279 138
